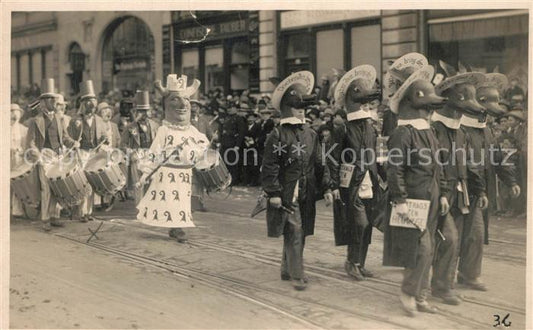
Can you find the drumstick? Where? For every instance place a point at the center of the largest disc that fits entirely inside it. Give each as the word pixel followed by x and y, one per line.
pixel 166 159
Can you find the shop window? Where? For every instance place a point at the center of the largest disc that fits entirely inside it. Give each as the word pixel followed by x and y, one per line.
pixel 214 68
pixel 297 53
pixel 190 63
pixel 329 51
pixel 365 49
pixel 240 65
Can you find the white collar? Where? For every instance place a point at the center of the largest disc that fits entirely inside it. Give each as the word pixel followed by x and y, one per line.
pixel 419 123
pixel 446 121
pixel 359 114
pixel 472 122
pixel 291 121
pixel 89 120
pixel 176 126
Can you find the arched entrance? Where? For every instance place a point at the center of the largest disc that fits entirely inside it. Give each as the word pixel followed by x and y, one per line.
pixel 76 58
pixel 127 56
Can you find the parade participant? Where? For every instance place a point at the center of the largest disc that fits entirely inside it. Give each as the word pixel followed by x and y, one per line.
pixel 111 129
pixel 89 130
pixel 518 131
pixel 454 198
pixel 276 117
pixel 136 139
pixel 289 178
pixel 46 132
pixel 63 118
pixel 473 227
pixel 410 174
pixel 174 151
pixel 231 141
pixel 355 176
pixel 19 134
pixel 251 158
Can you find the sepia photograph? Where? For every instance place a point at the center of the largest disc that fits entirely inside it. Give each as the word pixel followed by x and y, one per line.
pixel 218 167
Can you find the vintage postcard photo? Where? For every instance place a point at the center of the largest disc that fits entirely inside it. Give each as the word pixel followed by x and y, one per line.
pixel 222 166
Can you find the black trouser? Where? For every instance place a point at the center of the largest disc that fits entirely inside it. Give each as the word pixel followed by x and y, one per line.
pixel 446 252
pixel 293 246
pixel 357 252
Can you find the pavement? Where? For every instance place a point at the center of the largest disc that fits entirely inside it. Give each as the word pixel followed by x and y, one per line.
pixel 227 276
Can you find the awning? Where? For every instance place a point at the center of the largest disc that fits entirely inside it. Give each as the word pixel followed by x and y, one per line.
pixel 479 28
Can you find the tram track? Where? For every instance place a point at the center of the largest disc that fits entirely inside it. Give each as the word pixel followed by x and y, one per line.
pixel 377 285
pixel 241 289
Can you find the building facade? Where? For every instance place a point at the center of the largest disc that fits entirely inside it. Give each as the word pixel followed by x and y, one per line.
pixel 240 50
pixel 117 50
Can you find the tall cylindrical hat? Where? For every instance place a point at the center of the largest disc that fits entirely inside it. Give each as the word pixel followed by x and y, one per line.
pixel 142 100
pixel 87 89
pixel 48 88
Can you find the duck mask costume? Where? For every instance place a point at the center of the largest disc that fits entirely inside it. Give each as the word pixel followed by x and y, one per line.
pixel 176 97
pixel 293 95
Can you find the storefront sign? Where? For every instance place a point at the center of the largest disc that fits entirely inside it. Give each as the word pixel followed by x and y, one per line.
pixel 130 65
pixel 217 31
pixel 302 18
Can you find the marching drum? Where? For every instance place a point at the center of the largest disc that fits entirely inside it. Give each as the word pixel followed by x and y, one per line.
pixel 68 182
pixel 106 174
pixel 25 184
pixel 212 171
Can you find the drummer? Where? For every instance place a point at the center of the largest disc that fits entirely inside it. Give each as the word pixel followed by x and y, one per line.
pixel 19 133
pixel 90 131
pixel 138 136
pixel 46 132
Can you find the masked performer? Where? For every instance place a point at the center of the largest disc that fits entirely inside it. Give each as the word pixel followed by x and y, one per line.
pixel 355 176
pixel 289 177
pixel 173 153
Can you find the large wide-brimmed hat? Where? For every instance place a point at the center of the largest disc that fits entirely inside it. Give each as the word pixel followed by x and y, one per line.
pixel 87 89
pixel 406 64
pixel 48 88
pixel 456 78
pixel 366 73
pixel 424 73
pixel 142 100
pixel 495 80
pixel 304 78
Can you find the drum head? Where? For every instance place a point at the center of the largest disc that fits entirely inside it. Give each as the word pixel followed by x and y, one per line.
pixel 208 160
pixel 59 169
pixel 98 161
pixel 21 169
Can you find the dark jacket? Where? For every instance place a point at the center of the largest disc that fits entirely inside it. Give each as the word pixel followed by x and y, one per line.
pixel 482 142
pixel 284 164
pixel 353 138
pixel 456 166
pixel 36 133
pixel 410 175
pixel 233 131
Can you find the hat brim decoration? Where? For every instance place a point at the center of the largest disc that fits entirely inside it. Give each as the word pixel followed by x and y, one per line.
pixel 473 78
pixel 424 73
pixel 495 80
pixel 414 60
pixel 365 72
pixel 304 78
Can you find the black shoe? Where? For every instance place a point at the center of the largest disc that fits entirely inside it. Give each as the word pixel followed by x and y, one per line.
pixel 365 272
pixel 447 297
pixel 285 276
pixel 353 271
pixel 178 234
pixel 299 284
pixel 56 223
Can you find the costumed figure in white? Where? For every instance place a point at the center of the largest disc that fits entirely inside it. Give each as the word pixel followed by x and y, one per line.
pixel 175 150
